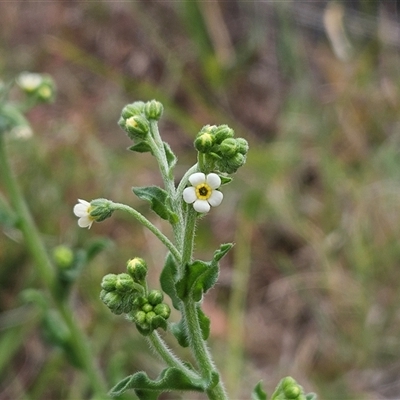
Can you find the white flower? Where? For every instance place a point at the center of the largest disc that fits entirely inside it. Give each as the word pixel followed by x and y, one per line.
pixel 203 193
pixel 82 210
pixel 29 81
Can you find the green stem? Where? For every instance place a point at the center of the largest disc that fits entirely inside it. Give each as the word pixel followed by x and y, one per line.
pixel 166 354
pixel 152 228
pixel 47 272
pixel 190 315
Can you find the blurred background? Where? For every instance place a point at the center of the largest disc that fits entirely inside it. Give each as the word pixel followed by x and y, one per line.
pixel 315 213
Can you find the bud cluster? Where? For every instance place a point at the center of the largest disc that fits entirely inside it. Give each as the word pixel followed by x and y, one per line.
pixel 135 118
pixel 221 150
pixel 149 312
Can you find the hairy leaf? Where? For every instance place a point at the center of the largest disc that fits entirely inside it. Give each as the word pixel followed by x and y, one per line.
pixel 148 389
pixel 159 201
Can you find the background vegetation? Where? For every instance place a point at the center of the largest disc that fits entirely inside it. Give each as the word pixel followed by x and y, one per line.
pixel 315 212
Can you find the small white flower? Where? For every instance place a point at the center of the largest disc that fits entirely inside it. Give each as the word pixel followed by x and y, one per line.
pixel 29 81
pixel 82 210
pixel 203 193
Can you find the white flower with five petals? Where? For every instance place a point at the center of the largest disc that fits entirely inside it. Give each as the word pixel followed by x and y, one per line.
pixel 203 193
pixel 82 210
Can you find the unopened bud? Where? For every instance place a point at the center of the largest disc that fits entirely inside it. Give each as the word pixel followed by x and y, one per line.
pixel 108 282
pixel 205 139
pixel 223 132
pixel 137 127
pixel 63 256
pixel 290 388
pixel 130 110
pixel 137 269
pixel 100 209
pixel 124 283
pixel 163 310
pixel 229 147
pixel 155 297
pixel 153 109
pixel 243 145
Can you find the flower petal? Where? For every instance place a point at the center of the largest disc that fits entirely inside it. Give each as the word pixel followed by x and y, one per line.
pixel 197 178
pixel 189 195
pixel 213 180
pixel 215 198
pixel 85 222
pixel 201 206
pixel 80 210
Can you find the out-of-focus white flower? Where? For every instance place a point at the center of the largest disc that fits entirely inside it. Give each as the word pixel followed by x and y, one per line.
pixel 203 193
pixel 82 210
pixel 29 81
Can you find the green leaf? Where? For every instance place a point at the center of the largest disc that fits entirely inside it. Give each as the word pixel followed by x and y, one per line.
pixel 171 157
pixel 148 389
pixel 311 396
pixel 141 147
pixel 258 393
pixel 204 323
pixel 159 201
pixel 200 276
pixel 179 331
pixel 168 279
pixel 225 180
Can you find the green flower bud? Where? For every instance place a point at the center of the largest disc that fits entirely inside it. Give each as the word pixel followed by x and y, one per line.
pixel 124 283
pixel 100 209
pixel 205 139
pixel 63 256
pixel 140 317
pixel 231 165
pixel 155 297
pixel 108 282
pixel 223 132
pixel 163 310
pixel 243 146
pixel 147 307
pixel 229 147
pixel 114 301
pixel 291 389
pixel 137 269
pixel 137 127
pixel 130 110
pixel 149 316
pixel 139 302
pixel 153 109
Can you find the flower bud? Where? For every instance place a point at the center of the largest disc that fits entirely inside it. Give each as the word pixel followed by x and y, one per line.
pixel 243 146
pixel 155 297
pixel 113 300
pixel 137 127
pixel 149 316
pixel 163 310
pixel 137 269
pixel 140 317
pixel 290 388
pixel 108 282
pixel 100 209
pixel 232 164
pixel 229 147
pixel 124 283
pixel 223 132
pixel 153 109
pixel 147 307
pixel 130 110
pixel 63 256
pixel 205 139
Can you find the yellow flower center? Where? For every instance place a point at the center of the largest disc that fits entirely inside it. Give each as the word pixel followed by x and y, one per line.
pixel 203 191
